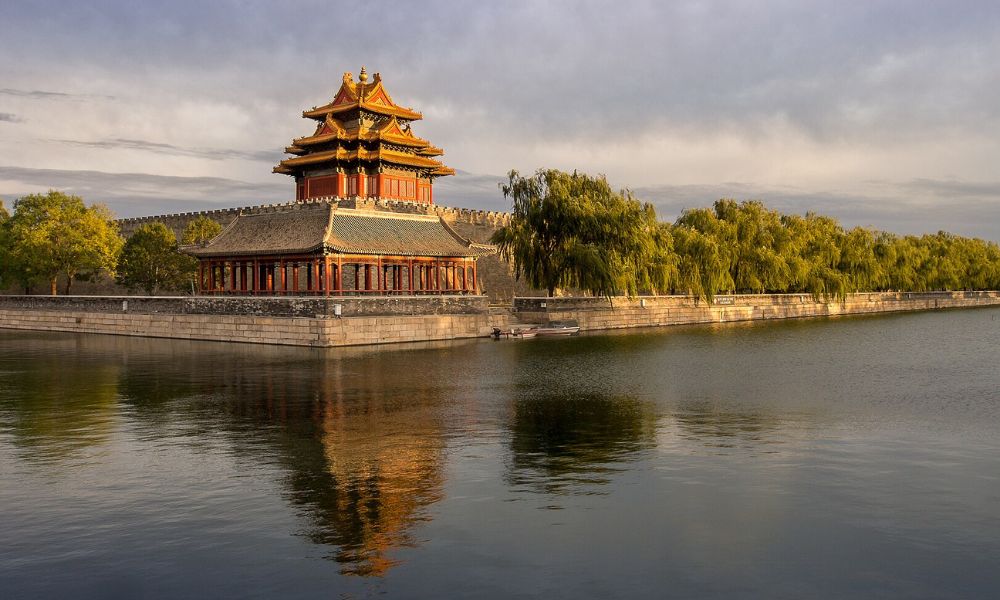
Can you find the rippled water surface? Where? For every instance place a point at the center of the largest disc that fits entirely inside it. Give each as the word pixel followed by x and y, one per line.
pixel 814 459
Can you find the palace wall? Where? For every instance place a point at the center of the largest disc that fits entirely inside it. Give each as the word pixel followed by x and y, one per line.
pixel 621 313
pixel 312 321
pixel 284 321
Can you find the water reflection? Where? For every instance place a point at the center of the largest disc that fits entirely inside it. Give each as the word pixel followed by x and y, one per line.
pixel 366 467
pixel 61 406
pixel 572 443
pixel 363 451
pixel 717 426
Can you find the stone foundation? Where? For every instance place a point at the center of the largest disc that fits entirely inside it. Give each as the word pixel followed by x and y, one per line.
pixel 381 320
pixel 296 321
pixel 620 313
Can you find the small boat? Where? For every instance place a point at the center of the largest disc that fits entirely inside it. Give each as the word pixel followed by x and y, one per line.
pixel 557 330
pixel 522 333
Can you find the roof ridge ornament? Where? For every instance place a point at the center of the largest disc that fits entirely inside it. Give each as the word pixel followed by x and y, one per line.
pixel 363 75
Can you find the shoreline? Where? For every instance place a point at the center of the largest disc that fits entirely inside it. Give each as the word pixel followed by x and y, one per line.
pixel 314 321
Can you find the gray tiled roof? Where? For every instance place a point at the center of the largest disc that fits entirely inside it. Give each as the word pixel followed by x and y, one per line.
pixel 314 226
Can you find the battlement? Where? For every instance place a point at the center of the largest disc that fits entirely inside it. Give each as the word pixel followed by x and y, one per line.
pixel 224 216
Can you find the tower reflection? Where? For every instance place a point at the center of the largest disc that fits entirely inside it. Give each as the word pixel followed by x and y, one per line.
pixel 364 453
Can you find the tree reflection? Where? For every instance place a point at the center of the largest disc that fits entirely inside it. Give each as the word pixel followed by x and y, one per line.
pixel 721 427
pixel 570 443
pixel 62 404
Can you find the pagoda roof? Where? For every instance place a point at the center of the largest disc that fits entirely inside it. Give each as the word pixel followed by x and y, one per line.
pixel 380 154
pixel 362 95
pixel 331 129
pixel 305 228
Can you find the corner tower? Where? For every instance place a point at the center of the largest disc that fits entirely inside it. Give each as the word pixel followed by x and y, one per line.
pixel 363 147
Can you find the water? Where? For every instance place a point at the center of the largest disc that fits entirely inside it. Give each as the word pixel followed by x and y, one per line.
pixel 824 459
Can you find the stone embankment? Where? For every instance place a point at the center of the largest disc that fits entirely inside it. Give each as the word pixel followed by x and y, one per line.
pixel 620 313
pixel 327 322
pixel 296 321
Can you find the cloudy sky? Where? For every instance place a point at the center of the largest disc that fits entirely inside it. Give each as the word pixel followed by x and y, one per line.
pixel 881 113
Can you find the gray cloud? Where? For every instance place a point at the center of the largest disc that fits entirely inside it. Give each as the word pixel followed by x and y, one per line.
pixel 161 148
pixel 837 71
pixel 33 93
pixel 913 207
pixel 39 94
pixel 472 191
pixel 10 118
pixel 138 194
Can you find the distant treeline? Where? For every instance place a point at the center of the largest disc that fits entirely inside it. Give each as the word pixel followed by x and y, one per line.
pixel 574 231
pixel 56 235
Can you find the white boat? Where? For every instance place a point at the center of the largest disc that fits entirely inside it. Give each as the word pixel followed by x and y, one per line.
pixel 517 333
pixel 557 330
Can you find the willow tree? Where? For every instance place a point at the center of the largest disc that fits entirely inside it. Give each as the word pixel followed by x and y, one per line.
pixel 702 263
pixel 57 234
pixel 574 231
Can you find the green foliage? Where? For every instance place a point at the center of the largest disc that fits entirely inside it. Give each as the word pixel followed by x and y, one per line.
pixel 5 249
pixel 200 230
pixel 56 234
pixel 574 231
pixel 150 261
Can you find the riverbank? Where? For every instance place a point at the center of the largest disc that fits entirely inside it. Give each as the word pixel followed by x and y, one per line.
pixel 331 322
pixel 294 321
pixel 622 313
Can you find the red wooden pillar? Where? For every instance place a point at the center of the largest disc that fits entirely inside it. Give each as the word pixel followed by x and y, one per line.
pixel 340 276
pixel 362 184
pixel 232 276
pixel 328 276
pixel 437 276
pixel 295 276
pixel 316 280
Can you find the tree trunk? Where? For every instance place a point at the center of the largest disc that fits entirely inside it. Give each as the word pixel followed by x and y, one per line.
pixel 69 283
pixel 52 286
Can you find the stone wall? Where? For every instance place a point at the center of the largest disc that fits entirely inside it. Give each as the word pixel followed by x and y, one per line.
pixel 178 221
pixel 620 313
pixel 293 331
pixel 266 306
pixel 288 321
pixel 379 320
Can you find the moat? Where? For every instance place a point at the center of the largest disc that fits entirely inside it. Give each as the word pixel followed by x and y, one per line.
pixel 853 457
